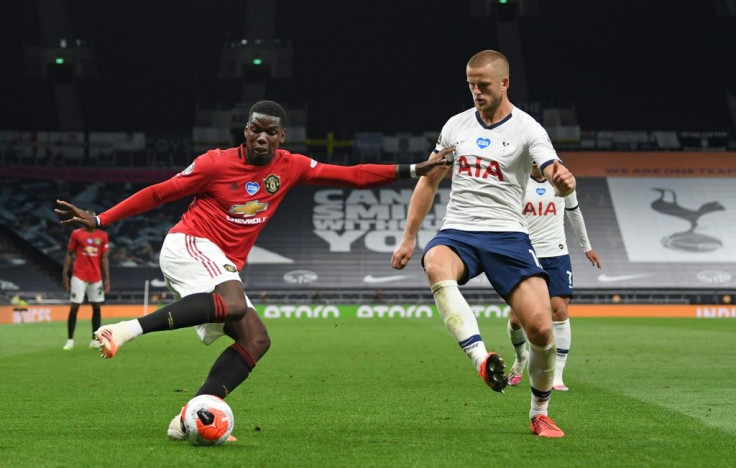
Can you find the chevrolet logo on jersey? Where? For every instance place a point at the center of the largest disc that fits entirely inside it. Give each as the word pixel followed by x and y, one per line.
pixel 249 209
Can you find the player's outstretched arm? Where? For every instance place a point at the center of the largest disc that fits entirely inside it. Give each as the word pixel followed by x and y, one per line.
pixel 561 178
pixel 374 175
pixel 140 202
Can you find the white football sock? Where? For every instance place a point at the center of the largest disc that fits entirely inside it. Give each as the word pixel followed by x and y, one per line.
pixel 563 337
pixel 460 320
pixel 541 375
pixel 134 328
pixel 518 339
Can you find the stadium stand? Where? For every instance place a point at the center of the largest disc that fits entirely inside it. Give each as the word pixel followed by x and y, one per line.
pixel 338 241
pixel 23 267
pixel 629 80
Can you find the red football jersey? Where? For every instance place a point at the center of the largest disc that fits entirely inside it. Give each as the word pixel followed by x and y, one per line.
pixel 234 200
pixel 89 248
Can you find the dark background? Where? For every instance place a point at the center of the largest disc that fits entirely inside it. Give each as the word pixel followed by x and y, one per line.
pixel 388 66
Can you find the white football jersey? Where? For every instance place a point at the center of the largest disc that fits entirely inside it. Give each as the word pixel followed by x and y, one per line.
pixel 545 215
pixel 491 169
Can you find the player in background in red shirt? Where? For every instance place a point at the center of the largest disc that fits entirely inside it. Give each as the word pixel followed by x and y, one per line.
pixel 237 191
pixel 90 277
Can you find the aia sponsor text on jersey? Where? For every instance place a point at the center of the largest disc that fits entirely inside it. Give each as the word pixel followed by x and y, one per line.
pixel 539 209
pixel 479 168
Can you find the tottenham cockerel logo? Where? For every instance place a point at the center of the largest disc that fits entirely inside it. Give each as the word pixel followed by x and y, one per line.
pixel 689 240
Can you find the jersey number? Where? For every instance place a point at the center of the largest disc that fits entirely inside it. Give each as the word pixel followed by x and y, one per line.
pixel 534 256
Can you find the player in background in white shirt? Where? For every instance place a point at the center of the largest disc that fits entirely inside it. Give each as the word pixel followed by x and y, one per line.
pixel 544 214
pixel 484 230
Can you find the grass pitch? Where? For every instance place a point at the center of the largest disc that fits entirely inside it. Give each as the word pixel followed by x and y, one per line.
pixel 380 392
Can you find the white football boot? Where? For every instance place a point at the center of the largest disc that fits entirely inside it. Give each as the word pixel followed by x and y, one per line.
pixel 174 432
pixel 112 337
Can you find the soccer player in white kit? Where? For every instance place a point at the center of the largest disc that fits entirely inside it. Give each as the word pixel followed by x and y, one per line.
pixel 484 231
pixel 545 215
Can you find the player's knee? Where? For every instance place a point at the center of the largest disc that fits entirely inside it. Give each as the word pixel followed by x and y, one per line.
pixel 256 341
pixel 559 315
pixel 441 264
pixel 435 273
pixel 514 321
pixel 539 332
pixel 258 338
pixel 236 307
pixel 261 341
pixel 559 309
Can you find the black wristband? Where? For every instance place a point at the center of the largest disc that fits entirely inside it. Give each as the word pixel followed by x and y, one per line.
pixel 97 222
pixel 404 171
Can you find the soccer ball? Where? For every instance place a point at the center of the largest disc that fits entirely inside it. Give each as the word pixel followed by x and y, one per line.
pixel 207 420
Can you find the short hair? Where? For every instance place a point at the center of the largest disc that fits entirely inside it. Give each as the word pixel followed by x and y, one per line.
pixel 485 57
pixel 271 108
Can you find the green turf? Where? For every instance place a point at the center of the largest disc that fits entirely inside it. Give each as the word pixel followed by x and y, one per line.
pixel 382 392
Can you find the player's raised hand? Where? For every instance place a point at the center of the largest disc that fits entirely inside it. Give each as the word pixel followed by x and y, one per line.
pixel 71 214
pixel 562 179
pixel 402 254
pixel 593 258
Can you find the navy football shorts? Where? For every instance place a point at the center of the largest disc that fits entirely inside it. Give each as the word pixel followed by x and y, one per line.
pixel 559 270
pixel 506 258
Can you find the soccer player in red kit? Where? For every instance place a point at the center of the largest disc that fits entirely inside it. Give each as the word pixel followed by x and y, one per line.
pixel 90 277
pixel 237 191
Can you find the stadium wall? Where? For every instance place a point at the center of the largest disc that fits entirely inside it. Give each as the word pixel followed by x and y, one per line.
pixel 48 313
pixel 582 163
pixel 650 164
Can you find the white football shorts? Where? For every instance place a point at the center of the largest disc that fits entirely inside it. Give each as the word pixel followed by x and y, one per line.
pixel 78 288
pixel 196 265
